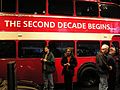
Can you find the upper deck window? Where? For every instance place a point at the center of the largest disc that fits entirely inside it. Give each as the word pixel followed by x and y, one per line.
pixel 61 7
pixel 7 5
pixel 7 49
pixel 86 8
pixel 32 6
pixel 110 10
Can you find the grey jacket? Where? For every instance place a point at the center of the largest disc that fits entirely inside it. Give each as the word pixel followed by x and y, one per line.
pixel 101 61
pixel 49 65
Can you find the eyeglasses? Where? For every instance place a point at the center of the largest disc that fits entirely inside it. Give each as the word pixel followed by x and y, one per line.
pixel 102 49
pixel 68 51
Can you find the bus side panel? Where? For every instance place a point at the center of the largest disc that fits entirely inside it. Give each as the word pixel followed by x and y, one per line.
pixel 29 70
pixel 3 68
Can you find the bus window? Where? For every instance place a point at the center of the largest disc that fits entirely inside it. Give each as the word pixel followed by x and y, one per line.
pixel 32 6
pixel 61 7
pixel 31 49
pixel 7 5
pixel 106 42
pixel 58 47
pixel 86 8
pixel 87 48
pixel 109 10
pixel 106 0
pixel 116 45
pixel 113 1
pixel 7 49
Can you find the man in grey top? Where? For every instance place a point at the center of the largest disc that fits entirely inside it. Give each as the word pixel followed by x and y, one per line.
pixel 48 68
pixel 103 68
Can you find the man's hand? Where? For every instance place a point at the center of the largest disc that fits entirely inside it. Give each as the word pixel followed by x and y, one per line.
pixel 44 60
pixel 68 64
pixel 110 67
pixel 65 64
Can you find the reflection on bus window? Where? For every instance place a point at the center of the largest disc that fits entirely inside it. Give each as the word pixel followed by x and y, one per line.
pixel 109 10
pixel 61 7
pixel 88 0
pixel 106 42
pixel 7 49
pixel 106 0
pixel 58 47
pixel 87 48
pixel 31 49
pixel 116 45
pixel 113 1
pixel 32 6
pixel 86 8
pixel 7 5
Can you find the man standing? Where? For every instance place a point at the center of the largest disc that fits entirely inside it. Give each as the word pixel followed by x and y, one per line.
pixel 103 68
pixel 48 68
pixel 118 68
pixel 112 72
pixel 68 62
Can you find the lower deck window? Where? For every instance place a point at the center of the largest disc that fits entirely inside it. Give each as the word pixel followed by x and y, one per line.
pixel 58 47
pixel 87 48
pixel 7 49
pixel 31 49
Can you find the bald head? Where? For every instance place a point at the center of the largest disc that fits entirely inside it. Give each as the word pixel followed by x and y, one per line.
pixel 104 48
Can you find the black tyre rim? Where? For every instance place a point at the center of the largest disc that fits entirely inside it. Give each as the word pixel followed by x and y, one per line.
pixel 89 77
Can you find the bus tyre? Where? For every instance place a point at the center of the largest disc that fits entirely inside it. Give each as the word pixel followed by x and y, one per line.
pixel 88 76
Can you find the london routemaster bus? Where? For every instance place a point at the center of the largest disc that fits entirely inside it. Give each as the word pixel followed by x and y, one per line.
pixel 26 26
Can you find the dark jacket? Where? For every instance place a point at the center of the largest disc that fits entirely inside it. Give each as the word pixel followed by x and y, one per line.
pixel 49 65
pixel 101 63
pixel 73 64
pixel 112 73
pixel 111 62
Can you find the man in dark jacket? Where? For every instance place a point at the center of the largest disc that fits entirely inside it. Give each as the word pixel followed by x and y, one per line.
pixel 102 65
pixel 68 62
pixel 112 72
pixel 48 67
pixel 118 68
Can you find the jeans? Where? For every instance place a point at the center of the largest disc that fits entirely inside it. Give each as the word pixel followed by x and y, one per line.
pixel 48 80
pixel 103 85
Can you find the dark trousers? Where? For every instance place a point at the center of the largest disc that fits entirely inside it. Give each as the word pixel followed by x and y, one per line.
pixel 111 81
pixel 48 80
pixel 68 81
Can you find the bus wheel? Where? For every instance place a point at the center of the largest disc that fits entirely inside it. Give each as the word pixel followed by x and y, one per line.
pixel 88 77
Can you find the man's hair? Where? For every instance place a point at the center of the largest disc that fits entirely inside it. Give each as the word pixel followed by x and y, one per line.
pixel 105 46
pixel 112 48
pixel 47 47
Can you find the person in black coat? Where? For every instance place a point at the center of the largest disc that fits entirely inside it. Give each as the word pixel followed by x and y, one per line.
pixel 118 68
pixel 102 66
pixel 112 71
pixel 48 68
pixel 68 62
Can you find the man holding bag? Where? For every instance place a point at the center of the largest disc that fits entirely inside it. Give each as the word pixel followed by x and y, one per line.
pixel 48 68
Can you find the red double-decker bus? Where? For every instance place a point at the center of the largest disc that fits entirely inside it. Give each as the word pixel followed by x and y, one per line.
pixel 26 26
